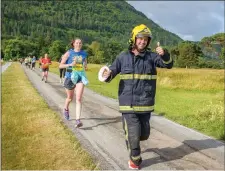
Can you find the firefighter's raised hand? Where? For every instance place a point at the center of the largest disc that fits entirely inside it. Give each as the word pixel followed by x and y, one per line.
pixel 159 49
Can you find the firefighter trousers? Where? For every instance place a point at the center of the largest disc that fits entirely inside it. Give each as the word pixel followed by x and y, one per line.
pixel 136 128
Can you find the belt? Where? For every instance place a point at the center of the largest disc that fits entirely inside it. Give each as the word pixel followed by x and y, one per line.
pixel 69 70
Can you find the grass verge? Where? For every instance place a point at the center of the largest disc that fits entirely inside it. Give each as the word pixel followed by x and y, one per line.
pixel 33 135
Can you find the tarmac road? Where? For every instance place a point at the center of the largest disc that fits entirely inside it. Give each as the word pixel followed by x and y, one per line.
pixel 170 146
pixel 5 66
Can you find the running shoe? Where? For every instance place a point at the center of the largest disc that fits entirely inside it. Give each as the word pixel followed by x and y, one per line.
pixel 78 123
pixel 66 114
pixel 132 165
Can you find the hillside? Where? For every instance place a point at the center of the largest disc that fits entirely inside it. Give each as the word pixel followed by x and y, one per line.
pixel 212 45
pixel 101 21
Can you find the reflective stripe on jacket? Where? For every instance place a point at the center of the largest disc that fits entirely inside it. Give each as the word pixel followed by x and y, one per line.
pixel 137 86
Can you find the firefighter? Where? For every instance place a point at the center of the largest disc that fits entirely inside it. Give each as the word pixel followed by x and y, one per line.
pixel 137 87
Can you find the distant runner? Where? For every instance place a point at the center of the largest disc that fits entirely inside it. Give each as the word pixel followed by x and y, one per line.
pixel 26 62
pixel 29 62
pixel 33 62
pixel 62 72
pixel 45 62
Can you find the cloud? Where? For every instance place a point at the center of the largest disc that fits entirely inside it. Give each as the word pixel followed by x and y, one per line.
pixel 186 37
pixel 150 15
pixel 192 20
pixel 220 19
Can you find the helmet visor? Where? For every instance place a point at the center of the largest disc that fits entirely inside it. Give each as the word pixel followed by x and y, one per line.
pixel 143 34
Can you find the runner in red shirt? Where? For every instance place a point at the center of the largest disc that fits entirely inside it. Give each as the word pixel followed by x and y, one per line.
pixel 45 62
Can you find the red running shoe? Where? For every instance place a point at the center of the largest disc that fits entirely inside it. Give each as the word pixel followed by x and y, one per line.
pixel 132 165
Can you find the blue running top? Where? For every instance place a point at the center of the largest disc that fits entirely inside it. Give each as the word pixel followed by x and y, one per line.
pixel 79 57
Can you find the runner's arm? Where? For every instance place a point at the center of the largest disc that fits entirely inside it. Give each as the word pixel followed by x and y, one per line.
pixel 50 62
pixel 42 63
pixel 63 61
pixel 85 63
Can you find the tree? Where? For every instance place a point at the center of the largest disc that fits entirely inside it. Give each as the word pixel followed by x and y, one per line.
pixel 99 58
pixel 189 54
pixel 16 48
pixel 174 53
pixel 56 50
pixel 2 54
pixel 111 50
pixel 92 51
pixel 95 46
pixel 222 54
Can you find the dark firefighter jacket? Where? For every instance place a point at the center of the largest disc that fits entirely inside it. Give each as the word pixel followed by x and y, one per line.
pixel 138 76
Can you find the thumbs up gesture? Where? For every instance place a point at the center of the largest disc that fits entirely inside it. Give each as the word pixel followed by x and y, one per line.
pixel 159 49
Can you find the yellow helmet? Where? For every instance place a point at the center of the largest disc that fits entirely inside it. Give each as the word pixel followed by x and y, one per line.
pixel 140 31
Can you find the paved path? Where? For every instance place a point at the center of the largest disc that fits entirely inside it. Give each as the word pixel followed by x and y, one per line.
pixel 5 66
pixel 170 147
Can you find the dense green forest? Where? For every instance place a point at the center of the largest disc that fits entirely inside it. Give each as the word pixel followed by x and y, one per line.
pixel 38 27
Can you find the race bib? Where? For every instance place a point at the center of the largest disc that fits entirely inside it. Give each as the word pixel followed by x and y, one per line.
pixel 78 67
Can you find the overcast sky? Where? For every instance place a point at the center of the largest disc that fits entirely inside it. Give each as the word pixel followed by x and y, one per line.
pixel 191 20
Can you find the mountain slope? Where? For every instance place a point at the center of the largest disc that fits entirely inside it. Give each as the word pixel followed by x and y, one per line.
pixel 63 20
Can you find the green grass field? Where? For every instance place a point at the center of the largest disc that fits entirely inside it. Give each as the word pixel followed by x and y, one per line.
pixel 191 97
pixel 33 135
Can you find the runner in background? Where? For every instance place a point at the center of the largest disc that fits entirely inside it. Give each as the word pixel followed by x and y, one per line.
pixel 45 62
pixel 21 61
pixel 33 62
pixel 26 62
pixel 62 72
pixel 29 62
